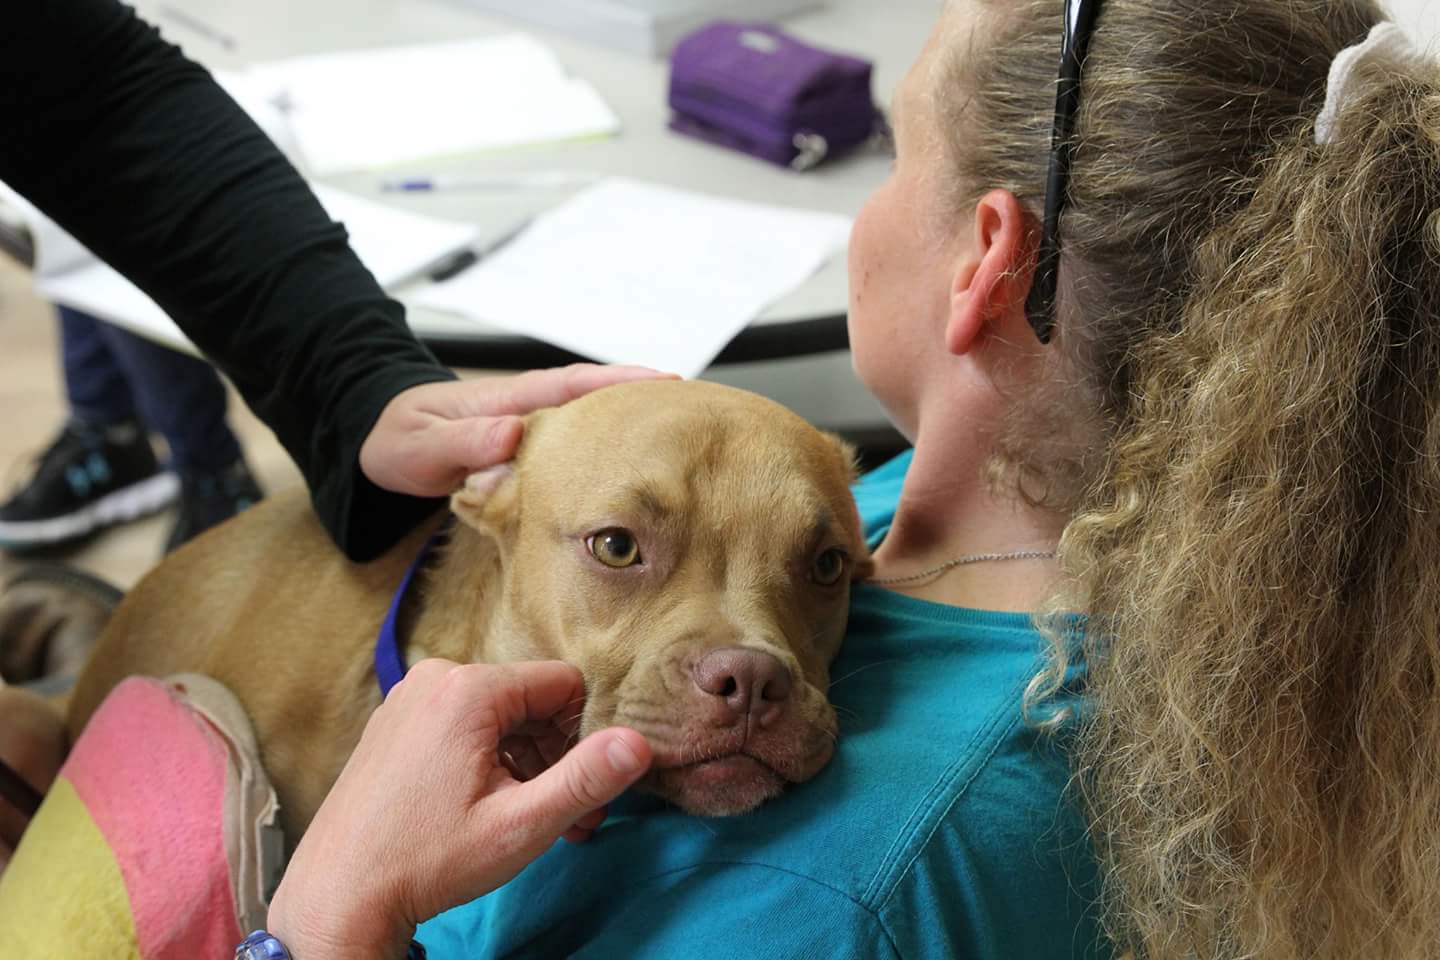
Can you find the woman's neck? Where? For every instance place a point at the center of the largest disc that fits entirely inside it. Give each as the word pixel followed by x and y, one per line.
pixel 947 511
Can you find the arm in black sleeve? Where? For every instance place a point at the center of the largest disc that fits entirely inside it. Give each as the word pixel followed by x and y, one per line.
pixel 136 151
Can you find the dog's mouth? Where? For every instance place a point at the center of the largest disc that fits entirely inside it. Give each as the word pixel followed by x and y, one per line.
pixel 717 785
pixel 718 774
pixel 710 762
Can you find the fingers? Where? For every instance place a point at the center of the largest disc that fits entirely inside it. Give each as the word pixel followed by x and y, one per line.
pixel 486 429
pixel 548 690
pixel 585 827
pixel 596 771
pixel 551 388
pixel 530 709
pixel 430 436
pixel 525 706
pixel 591 820
pixel 522 758
pixel 475 444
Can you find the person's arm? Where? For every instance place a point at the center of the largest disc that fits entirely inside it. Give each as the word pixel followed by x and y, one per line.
pixel 136 151
pixel 461 778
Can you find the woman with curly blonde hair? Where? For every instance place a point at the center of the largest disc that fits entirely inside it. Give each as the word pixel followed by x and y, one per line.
pixel 1249 306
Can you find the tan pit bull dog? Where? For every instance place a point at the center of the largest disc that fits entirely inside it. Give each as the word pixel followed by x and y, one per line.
pixel 689 547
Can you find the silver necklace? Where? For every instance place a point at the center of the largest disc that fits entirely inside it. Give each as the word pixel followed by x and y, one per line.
pixel 962 561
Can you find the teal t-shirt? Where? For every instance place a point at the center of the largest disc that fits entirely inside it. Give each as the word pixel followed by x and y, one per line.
pixel 939 830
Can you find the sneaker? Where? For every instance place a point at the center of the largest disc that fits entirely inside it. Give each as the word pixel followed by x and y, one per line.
pixel 207 499
pixel 89 478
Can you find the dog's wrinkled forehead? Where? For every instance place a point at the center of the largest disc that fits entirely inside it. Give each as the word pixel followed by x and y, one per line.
pixel 671 453
pixel 660 448
pixel 725 496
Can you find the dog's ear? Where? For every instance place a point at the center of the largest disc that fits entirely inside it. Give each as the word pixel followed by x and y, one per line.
pixel 864 566
pixel 489 500
pixel 847 453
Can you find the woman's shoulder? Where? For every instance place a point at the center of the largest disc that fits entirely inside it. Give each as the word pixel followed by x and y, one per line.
pixel 929 704
pixel 931 828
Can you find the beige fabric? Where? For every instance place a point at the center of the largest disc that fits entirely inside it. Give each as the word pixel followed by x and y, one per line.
pixel 254 844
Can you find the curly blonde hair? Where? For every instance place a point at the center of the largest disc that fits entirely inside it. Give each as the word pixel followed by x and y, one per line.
pixel 1256 533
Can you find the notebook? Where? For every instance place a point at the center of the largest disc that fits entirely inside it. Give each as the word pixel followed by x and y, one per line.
pixel 372 109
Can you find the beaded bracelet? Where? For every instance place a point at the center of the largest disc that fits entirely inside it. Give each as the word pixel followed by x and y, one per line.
pixel 261 945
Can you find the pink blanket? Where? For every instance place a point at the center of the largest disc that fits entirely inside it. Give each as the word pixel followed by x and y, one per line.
pixel 158 839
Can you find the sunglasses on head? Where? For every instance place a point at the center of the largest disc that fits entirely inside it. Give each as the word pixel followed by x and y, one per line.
pixel 1040 304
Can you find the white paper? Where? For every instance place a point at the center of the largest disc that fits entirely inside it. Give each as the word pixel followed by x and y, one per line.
pixel 366 109
pixel 100 291
pixel 55 250
pixel 627 272
pixel 395 245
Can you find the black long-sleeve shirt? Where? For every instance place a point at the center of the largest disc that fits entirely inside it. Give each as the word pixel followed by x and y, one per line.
pixel 137 152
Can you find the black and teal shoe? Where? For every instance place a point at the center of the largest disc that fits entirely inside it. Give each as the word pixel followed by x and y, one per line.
pixel 89 478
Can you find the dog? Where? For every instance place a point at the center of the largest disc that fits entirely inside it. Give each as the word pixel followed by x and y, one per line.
pixel 688 546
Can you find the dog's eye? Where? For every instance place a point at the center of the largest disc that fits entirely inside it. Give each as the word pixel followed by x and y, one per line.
pixel 829 567
pixel 614 548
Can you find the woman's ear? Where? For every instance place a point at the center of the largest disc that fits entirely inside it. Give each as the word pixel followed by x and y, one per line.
pixel 994 274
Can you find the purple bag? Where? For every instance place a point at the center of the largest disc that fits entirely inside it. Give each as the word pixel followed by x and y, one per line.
pixel 756 89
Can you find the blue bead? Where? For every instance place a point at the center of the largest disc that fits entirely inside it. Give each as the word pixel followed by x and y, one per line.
pixel 261 946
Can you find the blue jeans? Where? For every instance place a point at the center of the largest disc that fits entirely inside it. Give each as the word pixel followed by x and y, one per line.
pixel 112 375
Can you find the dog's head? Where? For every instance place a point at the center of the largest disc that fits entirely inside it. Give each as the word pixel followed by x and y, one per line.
pixel 690 548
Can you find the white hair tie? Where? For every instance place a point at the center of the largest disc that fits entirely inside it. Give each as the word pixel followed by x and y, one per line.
pixel 1386 40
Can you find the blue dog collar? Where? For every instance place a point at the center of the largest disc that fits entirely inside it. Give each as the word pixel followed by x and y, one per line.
pixel 389 664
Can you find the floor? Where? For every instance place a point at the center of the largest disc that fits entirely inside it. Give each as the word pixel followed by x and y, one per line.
pixel 33 408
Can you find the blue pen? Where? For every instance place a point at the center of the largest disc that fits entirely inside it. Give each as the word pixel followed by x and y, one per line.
pixel 548 178
pixel 407 186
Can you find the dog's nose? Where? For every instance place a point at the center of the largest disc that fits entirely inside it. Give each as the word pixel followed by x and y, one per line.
pixel 747 681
